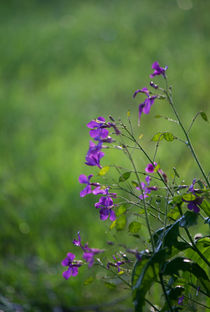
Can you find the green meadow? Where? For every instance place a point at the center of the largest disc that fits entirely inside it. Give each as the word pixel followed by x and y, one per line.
pixel 62 64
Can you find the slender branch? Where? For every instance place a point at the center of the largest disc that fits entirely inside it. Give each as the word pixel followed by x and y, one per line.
pixel 165 293
pixel 189 144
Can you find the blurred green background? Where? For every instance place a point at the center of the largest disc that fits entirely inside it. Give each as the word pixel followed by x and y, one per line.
pixel 63 63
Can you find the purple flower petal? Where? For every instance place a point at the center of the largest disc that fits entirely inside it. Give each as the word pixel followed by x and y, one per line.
pixel 83 179
pixel 67 274
pixel 86 191
pixel 112 215
pixel 74 270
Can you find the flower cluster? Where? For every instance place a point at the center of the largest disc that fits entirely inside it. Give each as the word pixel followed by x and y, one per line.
pixel 196 201
pixel 150 99
pixel 73 265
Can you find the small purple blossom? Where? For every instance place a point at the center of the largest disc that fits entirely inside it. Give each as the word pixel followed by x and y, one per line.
pixel 89 253
pixel 87 190
pixel 94 154
pixel 85 180
pixel 194 204
pixel 99 130
pixel 146 105
pixel 191 187
pixel 117 264
pixel 145 188
pixel 71 264
pixel 106 206
pixel 180 300
pixel 158 70
pixel 143 90
pixel 150 168
pixel 77 242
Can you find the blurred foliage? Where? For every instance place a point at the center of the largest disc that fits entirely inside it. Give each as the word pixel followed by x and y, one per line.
pixel 63 63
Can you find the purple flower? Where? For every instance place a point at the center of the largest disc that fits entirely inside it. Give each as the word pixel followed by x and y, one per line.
pixel 105 205
pixel 94 155
pixel 85 180
pixel 180 300
pixel 146 188
pixel 194 204
pixel 87 190
pixel 143 90
pixel 117 264
pixel 150 167
pixel 191 187
pixel 146 105
pixel 77 242
pixel 158 70
pixel 71 264
pixel 98 130
pixel 89 254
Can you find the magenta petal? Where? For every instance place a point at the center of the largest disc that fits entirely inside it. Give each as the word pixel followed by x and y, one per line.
pixel 83 179
pixel 112 215
pixel 147 106
pixel 70 256
pixel 104 213
pixel 74 271
pixel 86 191
pixel 92 124
pixel 98 190
pixel 67 274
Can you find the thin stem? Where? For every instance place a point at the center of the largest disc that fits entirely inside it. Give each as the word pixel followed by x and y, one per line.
pixel 165 293
pixel 140 147
pixel 170 100
pixel 114 273
pixel 193 246
pixel 144 203
pixel 152 305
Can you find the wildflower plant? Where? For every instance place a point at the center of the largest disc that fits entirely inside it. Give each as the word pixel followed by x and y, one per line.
pixel 171 261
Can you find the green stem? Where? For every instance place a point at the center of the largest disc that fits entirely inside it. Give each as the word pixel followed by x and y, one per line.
pixel 164 291
pixel 144 203
pixel 189 144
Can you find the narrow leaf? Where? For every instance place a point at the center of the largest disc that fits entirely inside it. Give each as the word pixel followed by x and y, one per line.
pixel 125 176
pixel 204 116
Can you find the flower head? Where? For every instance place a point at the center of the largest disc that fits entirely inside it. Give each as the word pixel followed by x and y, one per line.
pixel 146 105
pixel 71 264
pixel 150 167
pixel 106 206
pixel 158 70
pixel 85 180
pixel 94 155
pixel 116 264
pixel 180 300
pixel 88 253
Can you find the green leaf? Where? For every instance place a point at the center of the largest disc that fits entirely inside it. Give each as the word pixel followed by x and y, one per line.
pixel 135 183
pixel 188 219
pixel 174 213
pixel 184 264
pixel 134 227
pixel 120 210
pixel 121 223
pixel 189 197
pixel 143 276
pixel 125 176
pixel 204 116
pixel 113 224
pixel 169 136
pixel 158 137
pixel 205 205
pixel 103 171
